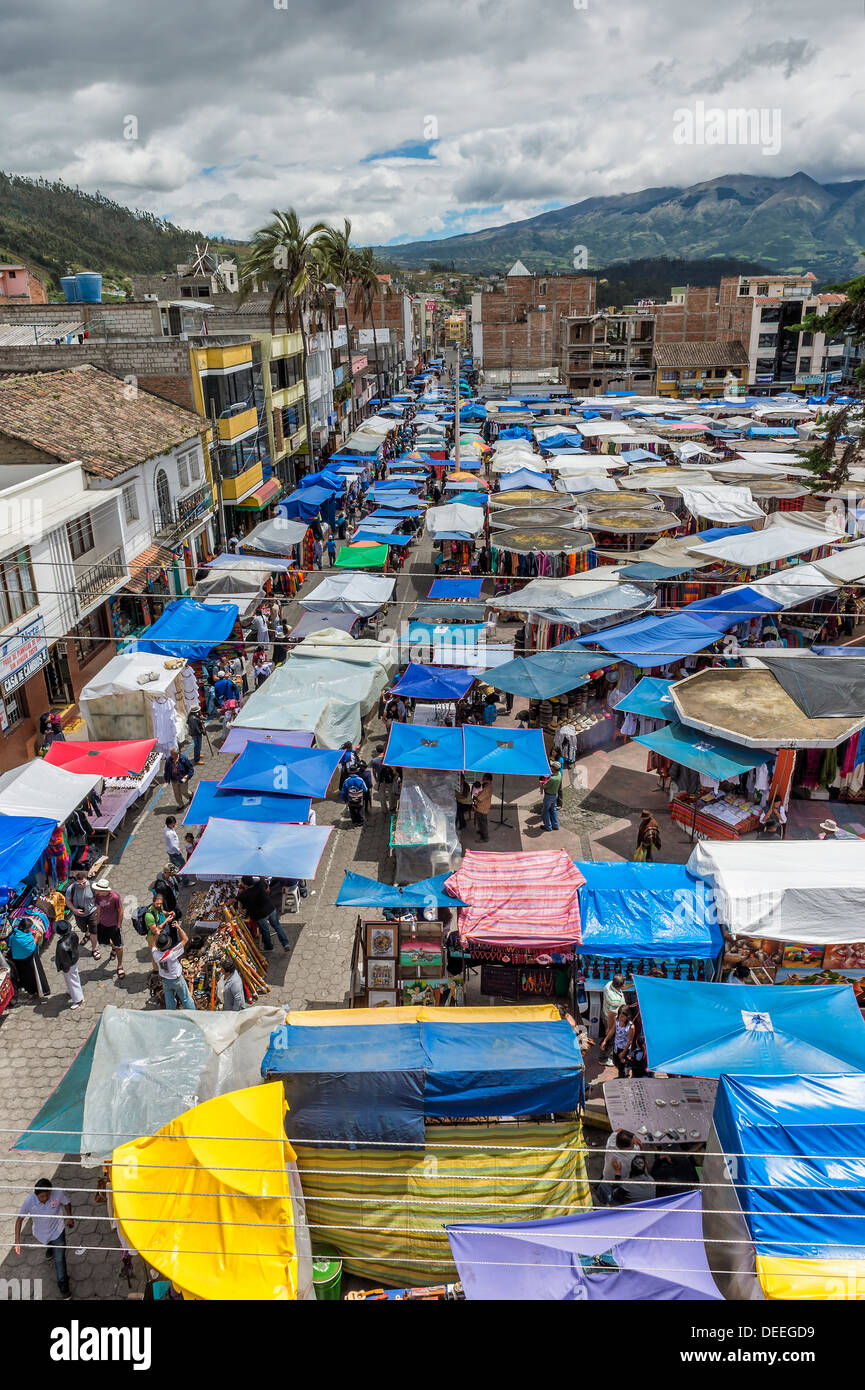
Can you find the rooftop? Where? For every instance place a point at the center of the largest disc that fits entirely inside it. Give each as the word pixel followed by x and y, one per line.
pixel 732 354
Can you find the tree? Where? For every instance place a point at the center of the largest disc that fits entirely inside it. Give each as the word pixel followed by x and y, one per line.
pixel 833 456
pixel 342 262
pixel 283 258
pixel 367 289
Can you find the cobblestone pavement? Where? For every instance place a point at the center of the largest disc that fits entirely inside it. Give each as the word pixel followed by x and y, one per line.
pixel 40 1041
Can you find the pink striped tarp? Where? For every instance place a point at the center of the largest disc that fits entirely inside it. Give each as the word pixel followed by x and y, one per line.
pixel 519 899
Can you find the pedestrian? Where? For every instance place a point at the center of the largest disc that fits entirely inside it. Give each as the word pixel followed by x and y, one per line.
pixel 623 1040
pixel 23 943
pixel 260 625
pixel 331 549
pixel 79 897
pixel 157 920
pixel 189 843
pixel 317 552
pixel 66 961
pixel 348 762
pixel 262 671
pixel 172 842
pixel 237 671
pixel 209 699
pixel 166 958
pixel 195 726
pixel 233 997
pixel 482 801
pixel 225 689
pixel 109 920
pixel 464 803
pixel 178 771
pixel 551 786
pixel 612 1000
pixel 258 904
pixel 648 837
pixel 620 1152
pixel 233 544
pixel 385 780
pixel 167 886
pixel 354 794
pixel 50 1213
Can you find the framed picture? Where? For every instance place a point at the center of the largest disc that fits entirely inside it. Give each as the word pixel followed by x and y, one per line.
pixel 381 999
pixel 380 941
pixel 418 951
pixel 382 974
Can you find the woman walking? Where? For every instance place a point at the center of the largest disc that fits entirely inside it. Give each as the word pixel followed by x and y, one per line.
pixel 623 1040
pixel 648 837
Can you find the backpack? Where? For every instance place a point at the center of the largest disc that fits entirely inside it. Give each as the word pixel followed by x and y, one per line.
pixel 355 796
pixel 138 920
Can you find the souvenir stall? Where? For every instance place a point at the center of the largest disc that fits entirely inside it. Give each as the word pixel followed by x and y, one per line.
pixel 554 551
pixel 24 841
pixel 399 956
pixel 619 531
pixel 128 769
pixel 423 834
pixel 705 781
pixel 136 697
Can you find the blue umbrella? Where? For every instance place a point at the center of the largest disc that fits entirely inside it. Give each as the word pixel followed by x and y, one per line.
pixel 262 767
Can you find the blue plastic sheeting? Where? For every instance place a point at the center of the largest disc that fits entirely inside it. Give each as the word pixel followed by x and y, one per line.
pixel 632 910
pixel 433 682
pixel 325 478
pixel 380 537
pixel 298 507
pixel 646 570
pixel 717 533
pixel 638 455
pixel 710 757
pixel 695 1029
pixel 454 536
pixel 189 629
pixel 209 801
pixel 438 613
pixel 733 606
pixel 394 513
pixel 22 841
pixel 445 634
pixel 772 432
pixel 471 499
pixel 563 440
pixel 332 1075
pixel 525 477
pixel 651 698
pixel 262 767
pixel 545 675
pixel 229 849
pixel 456 588
pixel 515 752
pixel 428 747
pixel 796 1206
pixel 58 1126
pixel 357 891
pixel 656 641
pixel 645 1251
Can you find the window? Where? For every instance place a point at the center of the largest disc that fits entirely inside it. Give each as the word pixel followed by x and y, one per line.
pixel 770 314
pixel 669 376
pixel 80 536
pixel 766 340
pixel 745 288
pixel 183 470
pixel 226 390
pixel 130 502
pixel 91 634
pixel 17 590
pixel 292 420
pixel 806 339
pixel 13 708
pixel 765 364
pixel 763 289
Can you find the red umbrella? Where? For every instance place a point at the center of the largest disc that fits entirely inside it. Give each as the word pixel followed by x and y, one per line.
pixel 116 758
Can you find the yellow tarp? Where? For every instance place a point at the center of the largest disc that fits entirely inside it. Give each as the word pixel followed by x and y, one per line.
pixel 331 1018
pixel 811 1279
pixel 207 1201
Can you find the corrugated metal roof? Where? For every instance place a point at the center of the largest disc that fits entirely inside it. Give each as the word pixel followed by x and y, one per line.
pixel 732 354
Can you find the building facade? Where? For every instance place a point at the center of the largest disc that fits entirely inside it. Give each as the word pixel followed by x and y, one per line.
pixel 608 352
pixel 517 329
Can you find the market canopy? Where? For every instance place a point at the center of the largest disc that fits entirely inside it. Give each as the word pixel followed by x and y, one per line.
pixel 278 536
pixel 526 477
pixel 23 840
pixel 649 698
pixel 544 675
pixel 733 606
pixel 762 547
pixel 358 891
pixel 425 746
pixel 230 849
pixel 365 537
pixel 262 767
pixel 511 752
pixel 38 789
pixel 644 1251
pixel 654 641
pixel 190 629
pixel 433 683
pixel 211 800
pixel 361 594
pixel 713 758
pixel 207 1201
pixel 722 504
pixel 457 517
pixel 320 622
pixel 530 900
pixel 456 588
pixel 366 555
pixel 696 1029
pixel 811 891
pixel 824 687
pixel 438 613
pixel 633 910
pixel 114 758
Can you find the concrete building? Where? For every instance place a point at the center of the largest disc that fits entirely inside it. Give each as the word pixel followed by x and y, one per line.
pixel 773 305
pixel 18 285
pixel 608 352
pixel 517 330
pixel 700 369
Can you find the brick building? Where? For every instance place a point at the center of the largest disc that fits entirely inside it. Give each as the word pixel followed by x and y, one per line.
pixel 518 329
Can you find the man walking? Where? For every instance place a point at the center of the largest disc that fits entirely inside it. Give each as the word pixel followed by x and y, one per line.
pixel 195 725
pixel 66 961
pixel 257 904
pixel 385 781
pixel 612 1000
pixel 354 794
pixel 483 801
pixel 331 549
pixel 551 786
pixel 109 920
pixel 166 958
pixel 81 902
pixel 172 842
pixel 233 998
pixel 178 770
pixel 50 1212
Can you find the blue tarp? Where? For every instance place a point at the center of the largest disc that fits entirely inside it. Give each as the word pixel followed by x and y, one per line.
pixel 515 432
pixel 656 641
pixel 262 767
pixel 379 1081
pixel 651 698
pixel 545 675
pixel 209 800
pixel 645 570
pixel 645 1251
pixel 525 477
pixel 22 842
pixel 325 477
pixel 433 682
pixel 798 1143
pixel 394 513
pixel 717 533
pixel 456 588
pixel 661 910
pixel 299 507
pixel 471 499
pixel 438 613
pixel 229 849
pixel 516 752
pixel 357 891
pixel 563 440
pixel 772 432
pixel 189 629
pixel 637 455
pixel 422 746
pixel 710 757
pixel 58 1126
pixel 695 1029
pixel 380 537
pixel 733 606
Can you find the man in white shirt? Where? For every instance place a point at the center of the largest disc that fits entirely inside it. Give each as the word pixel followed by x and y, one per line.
pixel 50 1212
pixel 621 1150
pixel 172 842
pixel 166 958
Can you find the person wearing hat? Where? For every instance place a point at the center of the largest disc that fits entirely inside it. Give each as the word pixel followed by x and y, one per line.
pixel 66 961
pixel 551 786
pixel 109 920
pixel 830 830
pixel 166 958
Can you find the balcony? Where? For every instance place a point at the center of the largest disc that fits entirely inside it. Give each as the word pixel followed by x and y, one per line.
pixel 171 524
pixel 99 580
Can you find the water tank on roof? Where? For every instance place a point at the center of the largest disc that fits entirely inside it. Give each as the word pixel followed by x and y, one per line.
pixel 89 287
pixel 69 286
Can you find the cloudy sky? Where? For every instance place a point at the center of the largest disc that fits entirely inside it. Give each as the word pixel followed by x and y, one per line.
pixel 416 119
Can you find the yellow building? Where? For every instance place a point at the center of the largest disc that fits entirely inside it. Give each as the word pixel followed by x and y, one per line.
pixel 455 330
pixel 701 369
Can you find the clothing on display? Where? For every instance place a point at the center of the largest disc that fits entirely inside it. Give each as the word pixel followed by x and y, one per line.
pixel 162 712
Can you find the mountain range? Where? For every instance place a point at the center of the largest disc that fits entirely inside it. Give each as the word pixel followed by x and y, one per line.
pixel 787 224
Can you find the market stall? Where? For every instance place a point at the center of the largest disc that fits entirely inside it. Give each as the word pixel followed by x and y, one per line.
pixel 399 956
pixel 137 696
pixel 128 769
pixel 698 766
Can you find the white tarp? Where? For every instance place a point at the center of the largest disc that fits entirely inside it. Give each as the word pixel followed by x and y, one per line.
pixel 667 481
pixel 38 789
pixel 551 593
pixel 847 565
pixel 512 463
pixel 811 891
pixel 278 536
pixel 456 516
pixel 607 428
pixel 588 482
pixel 728 506
pixel 351 592
pixel 761 547
pixel 116 705
pixel 796 585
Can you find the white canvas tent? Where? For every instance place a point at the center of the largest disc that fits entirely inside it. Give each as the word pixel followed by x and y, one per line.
pixel 38 789
pixel 457 516
pixel 762 547
pixel 727 506
pixel 350 592
pixel 117 705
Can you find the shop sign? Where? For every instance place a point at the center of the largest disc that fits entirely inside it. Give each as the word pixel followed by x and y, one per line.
pixel 23 655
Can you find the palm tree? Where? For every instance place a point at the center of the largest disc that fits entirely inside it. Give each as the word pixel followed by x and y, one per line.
pixel 368 287
pixel 283 257
pixel 342 262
